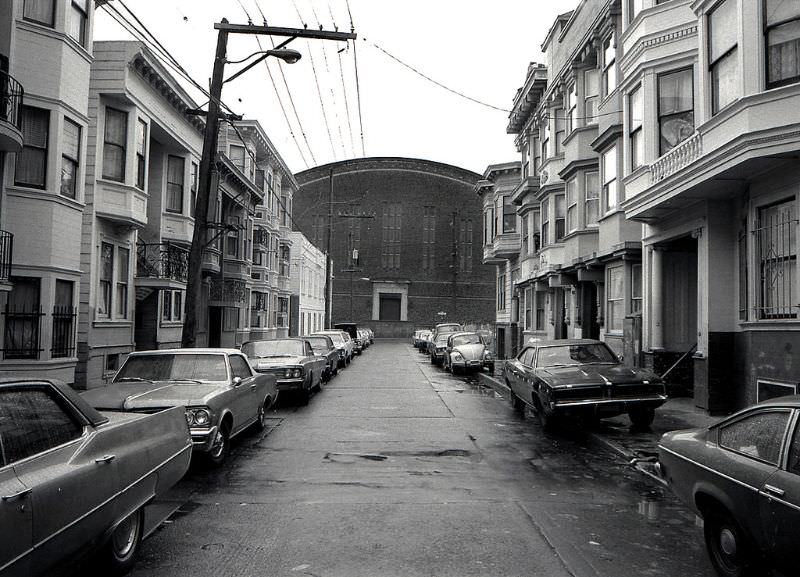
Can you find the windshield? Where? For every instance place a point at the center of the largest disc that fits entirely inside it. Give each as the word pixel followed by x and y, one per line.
pixel 566 355
pixel 276 348
pixel 178 367
pixel 319 344
pixel 448 329
pixel 466 340
pixel 336 338
pixel 441 339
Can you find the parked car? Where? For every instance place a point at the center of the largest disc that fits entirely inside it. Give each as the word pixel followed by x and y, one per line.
pixel 324 347
pixel 424 339
pixel 436 349
pixel 221 393
pixel 343 342
pixel 352 329
pixel 371 335
pixel 417 338
pixel 74 481
pixel 742 475
pixel 292 361
pixel 363 334
pixel 446 328
pixel 467 351
pixel 583 378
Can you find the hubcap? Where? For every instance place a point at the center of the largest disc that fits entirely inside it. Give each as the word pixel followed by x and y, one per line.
pixel 124 536
pixel 219 443
pixel 727 542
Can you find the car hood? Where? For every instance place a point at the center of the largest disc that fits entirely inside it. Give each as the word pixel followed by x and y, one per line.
pixel 273 362
pixel 595 374
pixel 470 352
pixel 137 396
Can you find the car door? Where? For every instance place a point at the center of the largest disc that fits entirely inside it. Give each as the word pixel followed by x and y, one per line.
pixel 16 519
pixel 71 475
pixel 780 506
pixel 518 373
pixel 315 362
pixel 246 395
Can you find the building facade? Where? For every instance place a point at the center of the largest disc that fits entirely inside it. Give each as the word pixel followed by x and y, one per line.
pixel 307 287
pixel 405 236
pixel 99 160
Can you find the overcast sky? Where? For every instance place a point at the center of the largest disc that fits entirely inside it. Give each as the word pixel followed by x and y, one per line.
pixel 480 49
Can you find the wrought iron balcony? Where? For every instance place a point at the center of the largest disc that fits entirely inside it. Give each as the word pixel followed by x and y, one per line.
pixel 11 95
pixel 162 260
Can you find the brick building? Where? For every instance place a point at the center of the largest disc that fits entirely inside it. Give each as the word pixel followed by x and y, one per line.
pixel 415 227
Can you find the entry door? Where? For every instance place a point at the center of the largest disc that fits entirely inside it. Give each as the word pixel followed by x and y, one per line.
pixel 560 329
pixel 390 306
pixel 214 326
pixel 591 328
pixel 680 300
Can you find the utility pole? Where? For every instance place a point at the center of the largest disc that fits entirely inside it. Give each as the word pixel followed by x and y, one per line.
pixel 207 162
pixel 328 261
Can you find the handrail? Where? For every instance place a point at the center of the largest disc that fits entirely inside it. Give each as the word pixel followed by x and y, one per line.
pixel 11 96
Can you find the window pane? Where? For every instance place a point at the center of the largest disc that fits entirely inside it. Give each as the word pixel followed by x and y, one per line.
pixel 675 92
pixel 31 162
pixel 72 139
pixel 783 51
pixel 76 25
pixel 40 11
pixel 759 435
pixel 724 81
pixel 723 29
pixel 782 10
pixel 116 126
pixel 106 261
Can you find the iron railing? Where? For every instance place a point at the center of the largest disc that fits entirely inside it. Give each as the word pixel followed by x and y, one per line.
pixel 11 95
pixel 22 332
pixel 776 250
pixel 63 331
pixel 162 260
pixel 6 252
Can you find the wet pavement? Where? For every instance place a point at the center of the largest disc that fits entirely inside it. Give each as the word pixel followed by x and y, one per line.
pixel 398 468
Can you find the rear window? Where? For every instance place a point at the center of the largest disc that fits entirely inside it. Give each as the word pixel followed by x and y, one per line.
pixel 277 348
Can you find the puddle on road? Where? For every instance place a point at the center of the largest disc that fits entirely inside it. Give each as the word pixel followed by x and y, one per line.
pixel 350 458
pixel 187 508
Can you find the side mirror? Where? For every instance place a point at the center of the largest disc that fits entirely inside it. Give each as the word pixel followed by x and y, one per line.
pixel 237 381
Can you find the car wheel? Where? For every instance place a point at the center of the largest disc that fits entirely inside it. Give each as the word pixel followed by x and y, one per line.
pixel 642 418
pixel 305 393
pixel 549 422
pixel 490 367
pixel 433 360
pixel 119 553
pixel 728 548
pixel 318 388
pixel 455 370
pixel 219 448
pixel 262 418
pixel 516 402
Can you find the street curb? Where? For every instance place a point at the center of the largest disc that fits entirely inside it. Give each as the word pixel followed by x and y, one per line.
pixel 631 458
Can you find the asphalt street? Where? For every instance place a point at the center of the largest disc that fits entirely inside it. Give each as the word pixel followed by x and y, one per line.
pixel 399 469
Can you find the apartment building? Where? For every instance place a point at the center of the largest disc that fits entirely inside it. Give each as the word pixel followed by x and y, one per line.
pixel 308 286
pixel 45 56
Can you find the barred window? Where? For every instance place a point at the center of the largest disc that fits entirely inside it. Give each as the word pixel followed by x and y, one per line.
pixel 22 319
pixel 63 342
pixel 776 250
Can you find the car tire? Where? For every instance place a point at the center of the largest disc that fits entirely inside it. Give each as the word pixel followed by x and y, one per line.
pixel 455 370
pixel 549 422
pixel 517 403
pixel 490 367
pixel 118 555
pixel 318 388
pixel 433 360
pixel 728 548
pixel 642 418
pixel 220 447
pixel 305 393
pixel 261 419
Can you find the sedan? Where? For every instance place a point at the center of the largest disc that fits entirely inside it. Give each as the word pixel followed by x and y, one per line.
pixel 324 347
pixel 292 361
pixel 582 378
pixel 74 481
pixel 437 347
pixel 742 475
pixel 467 351
pixel 221 393
pixel 343 342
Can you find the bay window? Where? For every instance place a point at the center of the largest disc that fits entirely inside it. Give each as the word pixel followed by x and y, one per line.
pixel 545 222
pixel 237 156
pixel 509 216
pixel 591 91
pixel 70 155
pixel 635 107
pixel 122 282
pixel 609 165
pixel 675 109
pixel 572 109
pixel 723 27
pixel 615 296
pixel 31 162
pixel 561 215
pixel 782 35
pixel 115 138
pixel 175 168
pixel 572 204
pixel 592 195
pixel 106 278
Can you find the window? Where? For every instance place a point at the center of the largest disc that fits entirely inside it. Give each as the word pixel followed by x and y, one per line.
pixel 635 6
pixel 23 314
pixel 488 224
pixel 525 236
pixel 76 25
pixel 232 236
pixel 31 165
pixel 592 193
pixel 572 205
pixel 536 153
pixel 636 288
pixel 546 140
pixel 465 245
pixel 193 182
pixel 609 163
pixel 540 308
pixel 106 278
pixel 536 231
pixel 122 282
pixel 615 294
pixel 240 367
pixel 793 465
pixel 675 109
pixel 509 216
pixel 237 156
pixel 545 222
pixel 32 421
pixel 776 240
pixel 525 159
pixel 609 65
pixel 528 317
pixel 70 155
pixel 428 237
pixel 114 141
pixel 636 110
pixel 172 306
pixel 501 292
pixel 758 435
pixel 560 123
pixel 175 167
pixel 560 220
pixel 390 245
pixel 141 151
pixel 284 264
pixel 591 89
pixel 63 342
pixel 572 109
pixel 783 42
pixel 723 29
pixel 39 11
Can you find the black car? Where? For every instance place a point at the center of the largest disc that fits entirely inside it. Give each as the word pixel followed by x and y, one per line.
pixel 581 378
pixel 323 346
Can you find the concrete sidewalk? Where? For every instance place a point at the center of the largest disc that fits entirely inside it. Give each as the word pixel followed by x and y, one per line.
pixel 639 448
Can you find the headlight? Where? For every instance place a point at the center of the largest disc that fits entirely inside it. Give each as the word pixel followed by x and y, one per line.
pixel 487 354
pixel 456 355
pixel 291 373
pixel 198 417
